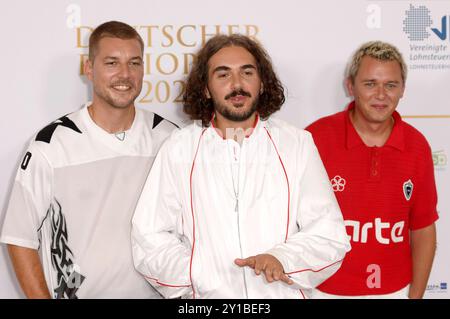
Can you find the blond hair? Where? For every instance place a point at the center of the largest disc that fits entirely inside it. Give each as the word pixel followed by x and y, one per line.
pixel 379 50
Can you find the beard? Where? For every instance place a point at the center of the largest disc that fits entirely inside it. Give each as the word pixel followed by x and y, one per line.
pixel 116 99
pixel 233 113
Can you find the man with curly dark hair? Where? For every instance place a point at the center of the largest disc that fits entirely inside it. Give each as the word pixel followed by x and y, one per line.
pixel 198 102
pixel 237 193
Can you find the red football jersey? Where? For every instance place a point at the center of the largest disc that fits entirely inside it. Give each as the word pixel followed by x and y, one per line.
pixel 384 192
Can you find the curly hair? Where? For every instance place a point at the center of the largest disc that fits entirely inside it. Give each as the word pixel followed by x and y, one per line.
pixel 199 107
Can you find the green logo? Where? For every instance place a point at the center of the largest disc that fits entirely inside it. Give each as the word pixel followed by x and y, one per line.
pixel 439 159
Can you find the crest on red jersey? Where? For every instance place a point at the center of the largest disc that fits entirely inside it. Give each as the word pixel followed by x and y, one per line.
pixel 408 189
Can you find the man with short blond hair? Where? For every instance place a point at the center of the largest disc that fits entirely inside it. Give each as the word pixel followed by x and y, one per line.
pixel 382 173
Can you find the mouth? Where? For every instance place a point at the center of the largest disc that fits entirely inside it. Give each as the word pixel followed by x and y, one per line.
pixel 379 106
pixel 238 99
pixel 122 87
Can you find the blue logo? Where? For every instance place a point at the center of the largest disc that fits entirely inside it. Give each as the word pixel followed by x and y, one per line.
pixel 442 34
pixel 418 22
pixel 437 288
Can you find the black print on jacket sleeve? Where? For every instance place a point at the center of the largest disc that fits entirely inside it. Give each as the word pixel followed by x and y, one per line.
pixel 26 161
pixel 68 277
pixel 45 135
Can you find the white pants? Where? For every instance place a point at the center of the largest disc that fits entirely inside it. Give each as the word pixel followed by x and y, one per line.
pixel 400 294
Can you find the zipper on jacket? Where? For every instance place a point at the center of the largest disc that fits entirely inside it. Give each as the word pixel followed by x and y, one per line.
pixel 234 159
pixel 240 247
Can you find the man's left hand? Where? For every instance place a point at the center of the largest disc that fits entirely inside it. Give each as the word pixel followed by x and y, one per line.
pixel 268 264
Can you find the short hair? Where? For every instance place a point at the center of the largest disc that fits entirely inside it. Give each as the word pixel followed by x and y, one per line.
pixel 379 50
pixel 112 29
pixel 199 107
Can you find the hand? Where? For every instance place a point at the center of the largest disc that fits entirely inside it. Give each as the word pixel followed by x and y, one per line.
pixel 272 268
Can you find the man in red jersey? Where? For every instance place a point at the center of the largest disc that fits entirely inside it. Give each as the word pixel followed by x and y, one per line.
pixel 381 171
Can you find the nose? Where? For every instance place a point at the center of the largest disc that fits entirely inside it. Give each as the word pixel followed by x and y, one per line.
pixel 381 92
pixel 236 81
pixel 124 70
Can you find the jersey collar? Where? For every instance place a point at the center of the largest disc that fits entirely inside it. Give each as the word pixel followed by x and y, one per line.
pixel 395 140
pixel 133 134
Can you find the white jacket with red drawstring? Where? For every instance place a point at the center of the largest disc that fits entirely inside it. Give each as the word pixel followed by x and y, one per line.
pixel 187 229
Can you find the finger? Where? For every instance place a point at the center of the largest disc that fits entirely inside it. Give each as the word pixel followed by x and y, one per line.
pixel 277 274
pixel 258 267
pixel 250 262
pixel 269 274
pixel 286 279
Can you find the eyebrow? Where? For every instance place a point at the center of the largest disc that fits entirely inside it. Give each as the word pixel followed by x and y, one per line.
pixel 221 68
pixel 226 68
pixel 248 66
pixel 116 58
pixel 374 80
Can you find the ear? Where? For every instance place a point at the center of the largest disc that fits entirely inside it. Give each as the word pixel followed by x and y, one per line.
pixel 261 89
pixel 88 69
pixel 349 86
pixel 403 90
pixel 208 95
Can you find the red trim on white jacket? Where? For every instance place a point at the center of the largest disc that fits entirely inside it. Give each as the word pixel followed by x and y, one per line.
pixel 192 212
pixel 309 269
pixel 164 284
pixel 287 181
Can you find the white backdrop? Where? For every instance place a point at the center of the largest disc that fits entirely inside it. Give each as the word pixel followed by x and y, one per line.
pixel 310 42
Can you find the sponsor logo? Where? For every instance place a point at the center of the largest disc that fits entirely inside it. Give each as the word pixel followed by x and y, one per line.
pixel 338 183
pixel 417 22
pixel 439 160
pixel 429 36
pixel 360 233
pixel 437 287
pixel 374 279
